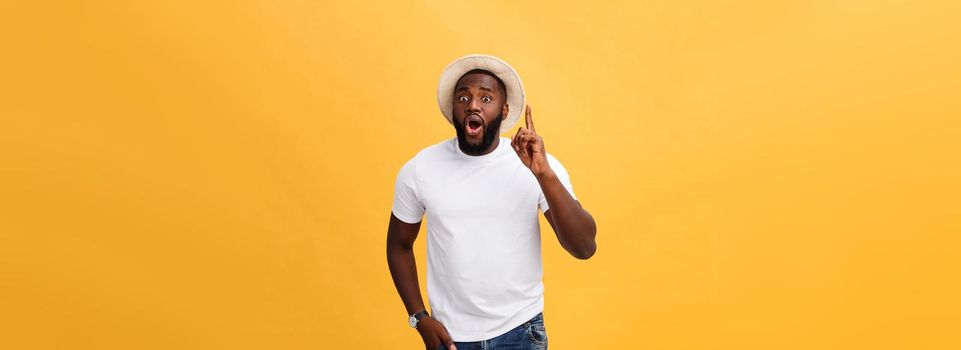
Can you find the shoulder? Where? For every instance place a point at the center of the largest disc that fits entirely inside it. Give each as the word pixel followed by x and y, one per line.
pixel 552 160
pixel 558 167
pixel 551 157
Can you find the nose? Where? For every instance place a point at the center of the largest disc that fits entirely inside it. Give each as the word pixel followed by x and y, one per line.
pixel 473 106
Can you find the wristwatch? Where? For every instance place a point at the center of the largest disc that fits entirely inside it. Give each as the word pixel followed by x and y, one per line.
pixel 413 319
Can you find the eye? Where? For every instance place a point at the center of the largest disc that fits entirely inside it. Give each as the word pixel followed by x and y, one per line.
pixel 462 98
pixel 486 99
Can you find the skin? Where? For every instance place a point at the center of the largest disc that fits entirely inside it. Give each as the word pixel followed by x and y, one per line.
pixel 574 227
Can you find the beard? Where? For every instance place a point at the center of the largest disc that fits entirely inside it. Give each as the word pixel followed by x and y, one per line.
pixel 490 132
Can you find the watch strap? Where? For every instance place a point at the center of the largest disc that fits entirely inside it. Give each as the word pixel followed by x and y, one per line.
pixel 420 315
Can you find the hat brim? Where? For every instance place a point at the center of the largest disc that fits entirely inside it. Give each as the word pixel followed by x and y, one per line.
pixel 455 70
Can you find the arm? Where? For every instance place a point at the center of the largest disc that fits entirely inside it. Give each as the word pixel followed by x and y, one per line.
pixel 403 269
pixel 574 226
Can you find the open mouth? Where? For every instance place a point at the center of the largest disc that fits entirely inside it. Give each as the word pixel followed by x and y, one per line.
pixel 474 124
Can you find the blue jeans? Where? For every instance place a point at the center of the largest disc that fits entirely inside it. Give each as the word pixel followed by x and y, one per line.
pixel 529 336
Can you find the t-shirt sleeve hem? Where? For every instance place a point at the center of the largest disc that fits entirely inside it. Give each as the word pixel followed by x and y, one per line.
pixel 407 219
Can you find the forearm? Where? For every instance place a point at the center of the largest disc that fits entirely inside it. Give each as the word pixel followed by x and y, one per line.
pixel 403 270
pixel 574 226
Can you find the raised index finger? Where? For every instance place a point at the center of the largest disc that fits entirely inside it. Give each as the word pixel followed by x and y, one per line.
pixel 528 119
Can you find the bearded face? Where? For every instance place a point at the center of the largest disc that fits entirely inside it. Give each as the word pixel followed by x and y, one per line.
pixel 479 106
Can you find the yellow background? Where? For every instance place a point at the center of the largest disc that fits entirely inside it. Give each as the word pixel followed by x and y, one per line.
pixel 219 174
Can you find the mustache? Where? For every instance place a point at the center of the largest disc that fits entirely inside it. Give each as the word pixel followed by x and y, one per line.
pixel 491 131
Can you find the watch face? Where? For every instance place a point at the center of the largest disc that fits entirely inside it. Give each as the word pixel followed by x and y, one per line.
pixel 413 321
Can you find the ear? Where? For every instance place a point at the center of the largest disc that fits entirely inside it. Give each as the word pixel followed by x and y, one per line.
pixel 504 111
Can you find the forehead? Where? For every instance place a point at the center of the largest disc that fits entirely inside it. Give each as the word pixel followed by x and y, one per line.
pixel 478 80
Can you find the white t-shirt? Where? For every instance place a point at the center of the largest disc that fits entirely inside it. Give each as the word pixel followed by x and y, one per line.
pixel 483 235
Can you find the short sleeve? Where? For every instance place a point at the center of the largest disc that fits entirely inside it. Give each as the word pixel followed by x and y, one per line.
pixel 562 175
pixel 407 205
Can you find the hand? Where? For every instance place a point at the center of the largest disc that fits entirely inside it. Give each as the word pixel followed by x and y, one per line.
pixel 434 334
pixel 529 146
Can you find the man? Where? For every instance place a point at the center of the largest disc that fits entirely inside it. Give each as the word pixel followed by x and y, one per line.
pixel 481 201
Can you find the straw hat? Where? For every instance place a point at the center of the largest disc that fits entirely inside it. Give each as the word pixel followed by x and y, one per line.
pixel 455 70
